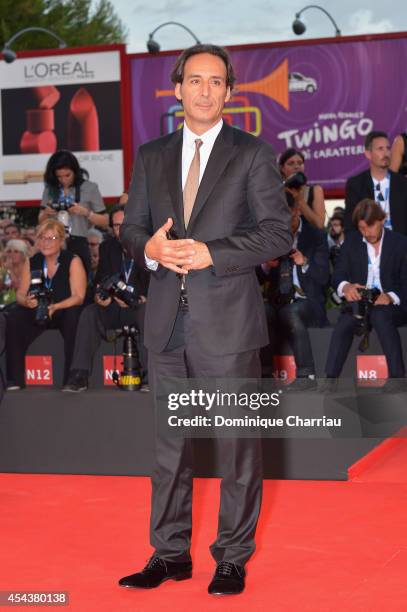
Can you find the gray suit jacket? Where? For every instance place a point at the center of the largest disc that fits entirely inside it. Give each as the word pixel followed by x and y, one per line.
pixel 240 213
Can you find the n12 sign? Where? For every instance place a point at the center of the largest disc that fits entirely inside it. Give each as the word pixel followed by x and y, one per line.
pixel 38 370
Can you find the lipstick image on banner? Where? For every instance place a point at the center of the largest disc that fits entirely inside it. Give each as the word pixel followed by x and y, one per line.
pixel 43 142
pixel 46 96
pixel 39 137
pixel 83 123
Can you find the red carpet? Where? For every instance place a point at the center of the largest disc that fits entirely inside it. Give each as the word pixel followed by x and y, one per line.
pixel 388 464
pixel 338 546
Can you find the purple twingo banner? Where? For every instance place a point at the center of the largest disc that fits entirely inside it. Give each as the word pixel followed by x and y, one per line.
pixel 322 99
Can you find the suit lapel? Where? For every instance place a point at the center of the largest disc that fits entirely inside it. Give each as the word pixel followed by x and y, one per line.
pixel 362 262
pixel 393 202
pixel 369 188
pixel 172 157
pixel 221 153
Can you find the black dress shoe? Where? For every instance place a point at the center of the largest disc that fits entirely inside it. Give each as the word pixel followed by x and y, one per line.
pixel 77 382
pixel 227 580
pixel 157 571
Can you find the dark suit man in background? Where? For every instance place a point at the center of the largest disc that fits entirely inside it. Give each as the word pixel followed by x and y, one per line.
pixel 379 183
pixel 296 294
pixel 375 258
pixel 219 192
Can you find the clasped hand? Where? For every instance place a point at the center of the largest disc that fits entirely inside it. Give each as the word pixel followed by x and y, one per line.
pixel 179 255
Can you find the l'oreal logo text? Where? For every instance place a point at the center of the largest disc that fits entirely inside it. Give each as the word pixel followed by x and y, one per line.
pixel 42 70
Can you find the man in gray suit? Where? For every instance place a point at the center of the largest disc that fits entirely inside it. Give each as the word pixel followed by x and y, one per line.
pixel 217 193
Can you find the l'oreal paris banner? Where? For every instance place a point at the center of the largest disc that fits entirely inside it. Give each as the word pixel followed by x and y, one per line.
pixel 60 102
pixel 322 99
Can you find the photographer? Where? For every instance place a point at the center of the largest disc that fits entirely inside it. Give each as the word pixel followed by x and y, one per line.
pixel 295 298
pixel 310 198
pixel 68 190
pixel 374 259
pixel 51 291
pixel 109 313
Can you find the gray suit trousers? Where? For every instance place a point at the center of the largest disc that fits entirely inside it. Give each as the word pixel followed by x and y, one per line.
pixel 240 460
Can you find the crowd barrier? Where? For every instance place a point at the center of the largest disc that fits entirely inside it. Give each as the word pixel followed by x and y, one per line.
pixel 44 361
pixel 108 431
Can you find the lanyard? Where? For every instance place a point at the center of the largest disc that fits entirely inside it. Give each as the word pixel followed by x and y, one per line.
pixel 47 279
pixel 127 268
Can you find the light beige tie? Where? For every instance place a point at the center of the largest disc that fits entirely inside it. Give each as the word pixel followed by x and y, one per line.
pixel 192 183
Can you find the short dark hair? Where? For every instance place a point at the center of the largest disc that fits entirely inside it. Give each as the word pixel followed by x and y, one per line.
pixel 177 74
pixel 115 209
pixel 371 136
pixel 287 154
pixel 63 159
pixel 337 217
pixel 368 211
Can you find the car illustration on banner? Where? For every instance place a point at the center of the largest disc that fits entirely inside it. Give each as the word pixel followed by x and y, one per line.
pixel 299 82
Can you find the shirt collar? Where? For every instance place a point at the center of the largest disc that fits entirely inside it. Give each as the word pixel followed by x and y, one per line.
pixel 207 137
pixel 383 182
pixel 371 245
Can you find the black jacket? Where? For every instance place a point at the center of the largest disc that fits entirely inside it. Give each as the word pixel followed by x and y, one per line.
pixel 352 263
pixel 361 186
pixel 313 245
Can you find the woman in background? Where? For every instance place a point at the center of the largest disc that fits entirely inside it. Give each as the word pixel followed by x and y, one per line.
pixel 61 275
pixel 66 182
pixel 310 198
pixel 13 260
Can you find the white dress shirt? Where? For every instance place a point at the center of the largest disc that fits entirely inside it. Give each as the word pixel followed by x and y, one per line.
pixel 188 151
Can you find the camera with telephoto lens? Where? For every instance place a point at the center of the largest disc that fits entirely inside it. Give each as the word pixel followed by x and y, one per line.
pixel 42 294
pixel 115 286
pixel 296 181
pixel 283 292
pixel 368 298
pixel 129 379
pixel 361 310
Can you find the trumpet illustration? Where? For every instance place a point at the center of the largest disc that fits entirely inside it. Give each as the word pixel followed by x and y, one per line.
pixel 274 86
